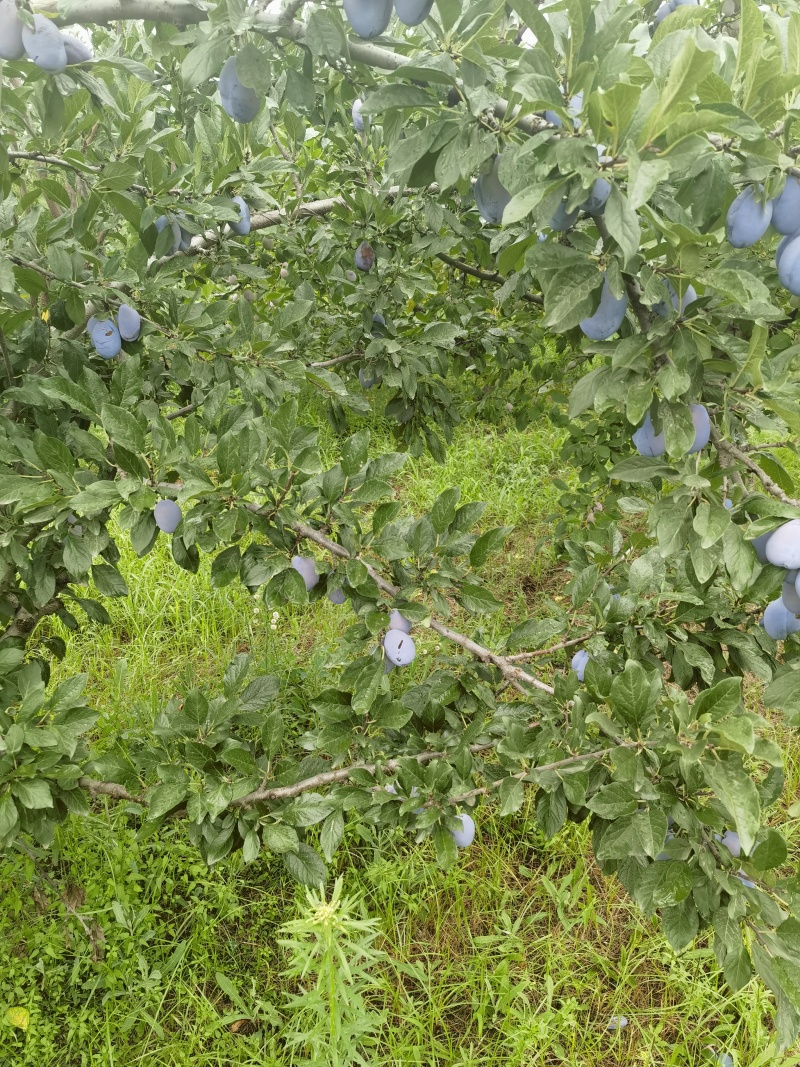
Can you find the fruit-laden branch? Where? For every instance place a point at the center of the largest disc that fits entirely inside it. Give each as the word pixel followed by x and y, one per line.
pixel 180 13
pixel 515 675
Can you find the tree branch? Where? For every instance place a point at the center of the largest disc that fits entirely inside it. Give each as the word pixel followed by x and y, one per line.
pixel 484 275
pixel 520 656
pixel 515 675
pixel 734 452
pixel 337 360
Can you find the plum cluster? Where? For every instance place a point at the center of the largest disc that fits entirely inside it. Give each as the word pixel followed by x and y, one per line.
pixel 182 238
pixel 650 443
pixel 750 216
pixel 781 548
pixel 45 45
pixel 369 18
pixel 107 335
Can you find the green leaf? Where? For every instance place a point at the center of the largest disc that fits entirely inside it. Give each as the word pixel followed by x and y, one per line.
pixel 280 838
pixel 487 545
pixel 784 690
pixel 122 427
pixel 305 865
pixel 680 924
pixel 738 793
pixel 478 600
pixel 163 798
pixel 32 792
pixel 204 61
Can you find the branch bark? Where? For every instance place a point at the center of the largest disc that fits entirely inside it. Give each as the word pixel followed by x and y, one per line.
pixel 724 446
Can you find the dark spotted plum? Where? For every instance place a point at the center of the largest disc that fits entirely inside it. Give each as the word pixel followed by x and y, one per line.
pixel 365 256
pixel 105 337
pixel 399 648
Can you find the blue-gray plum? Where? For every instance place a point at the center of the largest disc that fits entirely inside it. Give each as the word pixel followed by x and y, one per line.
pixel 358 119
pixel 399 622
pixel 579 662
pixel 412 12
pixel 242 227
pixel 307 569
pixel 760 546
pixel 778 621
pixel 337 596
pixel 129 322
pixel 466 835
pixel 680 305
pixel 617 1022
pixel 399 647
pixel 369 18
pixel 730 839
pixel 786 208
pixel 105 337
pixel 491 195
pixel 239 102
pixel 724 1059
pixel 596 204
pixel 161 223
pixel 562 219
pixel 783 244
pixel 647 441
pixel 702 428
pixel 788 263
pixel 77 51
pixel 783 547
pixel 351 276
pixel 378 325
pixel 745 880
pixel 44 45
pixel 367 379
pixel 662 856
pixel 664 9
pixel 790 597
pixel 748 218
pixel 167 515
pixel 608 317
pixel 365 256
pixel 186 236
pixel 728 503
pixel 11 46
pixel 574 109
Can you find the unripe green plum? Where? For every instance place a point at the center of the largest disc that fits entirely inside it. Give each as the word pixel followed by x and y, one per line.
pixel 647 441
pixel 307 569
pixel 368 18
pixel 167 515
pixel 786 208
pixel 412 12
pixel 365 256
pixel 44 45
pixel 399 647
pixel 11 46
pixel 783 547
pixel 466 835
pixel 490 194
pixel 748 218
pixel 283 273
pixel 240 102
pixel 609 315
pixel 351 276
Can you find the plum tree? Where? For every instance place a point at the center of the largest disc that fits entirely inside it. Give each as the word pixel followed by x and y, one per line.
pixel 368 18
pixel 465 835
pixel 44 45
pixel 239 101
pixel 242 226
pixel 748 217
pixel 11 46
pixel 399 647
pixel 365 256
pixel 257 424
pixel 167 515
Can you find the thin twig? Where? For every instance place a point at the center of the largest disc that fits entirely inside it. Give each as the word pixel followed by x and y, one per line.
pixel 722 445
pixel 337 360
pixel 521 656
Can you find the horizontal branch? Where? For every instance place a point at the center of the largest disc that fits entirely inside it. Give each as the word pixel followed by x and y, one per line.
pixel 723 446
pixel 485 275
pixel 520 656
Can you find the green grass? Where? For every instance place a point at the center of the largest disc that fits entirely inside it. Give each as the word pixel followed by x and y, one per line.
pixel 518 956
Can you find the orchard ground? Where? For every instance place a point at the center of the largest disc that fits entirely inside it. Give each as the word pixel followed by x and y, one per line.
pixel 519 955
